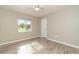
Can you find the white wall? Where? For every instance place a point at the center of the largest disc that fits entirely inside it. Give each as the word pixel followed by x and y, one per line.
pixel 0 28
pixel 64 25
pixel 8 26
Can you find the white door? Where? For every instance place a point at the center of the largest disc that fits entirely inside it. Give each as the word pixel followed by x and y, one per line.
pixel 44 27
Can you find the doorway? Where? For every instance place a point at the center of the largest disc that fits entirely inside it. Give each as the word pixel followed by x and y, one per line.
pixel 43 27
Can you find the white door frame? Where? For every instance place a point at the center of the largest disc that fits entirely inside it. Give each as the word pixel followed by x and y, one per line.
pixel 43 27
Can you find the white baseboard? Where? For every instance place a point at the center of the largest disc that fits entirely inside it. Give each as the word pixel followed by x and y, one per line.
pixel 19 40
pixel 64 43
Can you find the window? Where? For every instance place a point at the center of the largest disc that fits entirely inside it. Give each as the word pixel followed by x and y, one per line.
pixel 24 25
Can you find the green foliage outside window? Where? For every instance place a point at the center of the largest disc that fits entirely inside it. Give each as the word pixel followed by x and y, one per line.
pixel 24 25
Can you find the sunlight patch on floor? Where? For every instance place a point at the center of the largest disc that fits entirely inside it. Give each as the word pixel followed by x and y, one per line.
pixel 37 46
pixel 26 49
pixel 30 48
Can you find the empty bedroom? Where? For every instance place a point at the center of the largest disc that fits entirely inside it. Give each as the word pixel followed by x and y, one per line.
pixel 39 29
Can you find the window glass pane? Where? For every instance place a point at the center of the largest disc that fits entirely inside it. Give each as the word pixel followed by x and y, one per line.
pixel 24 25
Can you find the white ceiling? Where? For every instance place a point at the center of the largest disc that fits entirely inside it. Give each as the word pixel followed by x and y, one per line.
pixel 28 9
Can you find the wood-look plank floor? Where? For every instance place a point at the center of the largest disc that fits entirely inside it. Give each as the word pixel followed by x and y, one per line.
pixel 38 46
